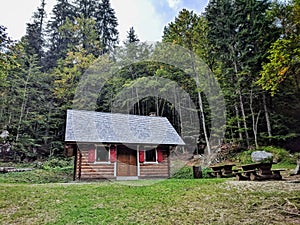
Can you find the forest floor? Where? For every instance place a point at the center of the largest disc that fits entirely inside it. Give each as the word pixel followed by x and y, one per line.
pixel 172 201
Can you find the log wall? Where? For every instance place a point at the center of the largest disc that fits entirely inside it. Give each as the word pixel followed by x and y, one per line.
pixel 87 170
pixel 156 170
pixel 159 170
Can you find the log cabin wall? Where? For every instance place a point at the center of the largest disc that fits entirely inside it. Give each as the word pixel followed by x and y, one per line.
pixel 95 170
pixel 77 165
pixel 156 170
pixel 86 170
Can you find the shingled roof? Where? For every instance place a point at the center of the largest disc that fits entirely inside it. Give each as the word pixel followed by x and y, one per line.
pixel 90 126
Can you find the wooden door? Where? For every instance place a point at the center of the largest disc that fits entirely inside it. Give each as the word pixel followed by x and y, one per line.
pixel 127 161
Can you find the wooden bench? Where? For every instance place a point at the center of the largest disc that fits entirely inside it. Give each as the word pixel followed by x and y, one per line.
pixel 246 175
pixel 239 175
pixel 276 174
pixel 222 170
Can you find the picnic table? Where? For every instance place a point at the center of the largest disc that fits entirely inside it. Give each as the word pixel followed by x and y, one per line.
pixel 259 171
pixel 222 170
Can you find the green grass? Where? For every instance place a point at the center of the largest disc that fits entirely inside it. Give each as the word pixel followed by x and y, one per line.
pixel 47 196
pixel 173 201
pixel 39 176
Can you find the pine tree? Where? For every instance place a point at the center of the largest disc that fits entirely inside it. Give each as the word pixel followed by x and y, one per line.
pixel 107 26
pixel 86 8
pixel 131 37
pixel 6 60
pixel 34 33
pixel 81 34
pixel 58 43
pixel 246 32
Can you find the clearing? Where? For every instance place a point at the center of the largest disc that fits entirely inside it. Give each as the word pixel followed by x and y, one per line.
pixel 173 201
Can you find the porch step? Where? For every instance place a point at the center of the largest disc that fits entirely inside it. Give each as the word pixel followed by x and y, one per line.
pixel 127 178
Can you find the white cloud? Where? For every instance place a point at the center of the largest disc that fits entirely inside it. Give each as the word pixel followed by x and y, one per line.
pixel 14 14
pixel 174 4
pixel 141 15
pixel 148 17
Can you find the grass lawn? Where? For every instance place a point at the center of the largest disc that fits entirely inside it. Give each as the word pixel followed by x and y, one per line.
pixel 190 201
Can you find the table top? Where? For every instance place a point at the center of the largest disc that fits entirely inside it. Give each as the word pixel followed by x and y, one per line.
pixel 221 166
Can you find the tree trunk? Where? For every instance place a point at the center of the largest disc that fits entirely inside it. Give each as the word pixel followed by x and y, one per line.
pixel 240 96
pixel 254 122
pixel 138 102
pixel 203 123
pixel 201 107
pixel 244 117
pixel 238 121
pixel 267 116
pixel 24 103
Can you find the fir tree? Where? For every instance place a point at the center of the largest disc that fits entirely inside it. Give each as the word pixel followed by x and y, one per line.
pixel 107 26
pixel 131 37
pixel 246 32
pixel 34 33
pixel 86 8
pixel 58 43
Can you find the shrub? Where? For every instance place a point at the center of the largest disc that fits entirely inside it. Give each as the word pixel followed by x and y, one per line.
pixel 204 172
pixel 57 163
pixel 279 155
pixel 185 172
pixel 244 157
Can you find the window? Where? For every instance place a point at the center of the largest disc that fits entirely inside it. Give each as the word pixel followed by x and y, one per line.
pixel 150 154
pixel 102 153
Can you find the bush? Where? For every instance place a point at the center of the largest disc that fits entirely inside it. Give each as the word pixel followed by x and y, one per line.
pixel 185 172
pixel 280 155
pixel 204 172
pixel 244 157
pixel 57 163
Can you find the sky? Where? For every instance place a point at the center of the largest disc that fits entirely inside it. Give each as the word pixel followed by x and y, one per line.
pixel 148 17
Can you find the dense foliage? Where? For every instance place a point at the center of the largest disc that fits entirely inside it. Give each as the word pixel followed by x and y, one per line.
pixel 252 47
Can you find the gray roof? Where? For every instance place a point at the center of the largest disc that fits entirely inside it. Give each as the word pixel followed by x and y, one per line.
pixel 90 126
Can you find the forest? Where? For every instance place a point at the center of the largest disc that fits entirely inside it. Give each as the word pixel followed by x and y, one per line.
pixel 251 47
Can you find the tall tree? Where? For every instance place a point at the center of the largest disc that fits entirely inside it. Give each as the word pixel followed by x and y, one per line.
pixel 81 34
pixel 246 34
pixel 283 64
pixel 58 43
pixel 86 8
pixel 34 33
pixel 185 31
pixel 107 26
pixel 6 60
pixel 131 36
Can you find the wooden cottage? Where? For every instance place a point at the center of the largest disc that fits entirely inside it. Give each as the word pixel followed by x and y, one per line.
pixel 119 146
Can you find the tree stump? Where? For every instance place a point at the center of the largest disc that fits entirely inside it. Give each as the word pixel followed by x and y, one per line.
pixel 197 171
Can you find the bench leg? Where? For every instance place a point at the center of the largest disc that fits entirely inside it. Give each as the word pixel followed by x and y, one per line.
pixel 239 177
pixel 277 175
pixel 253 176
